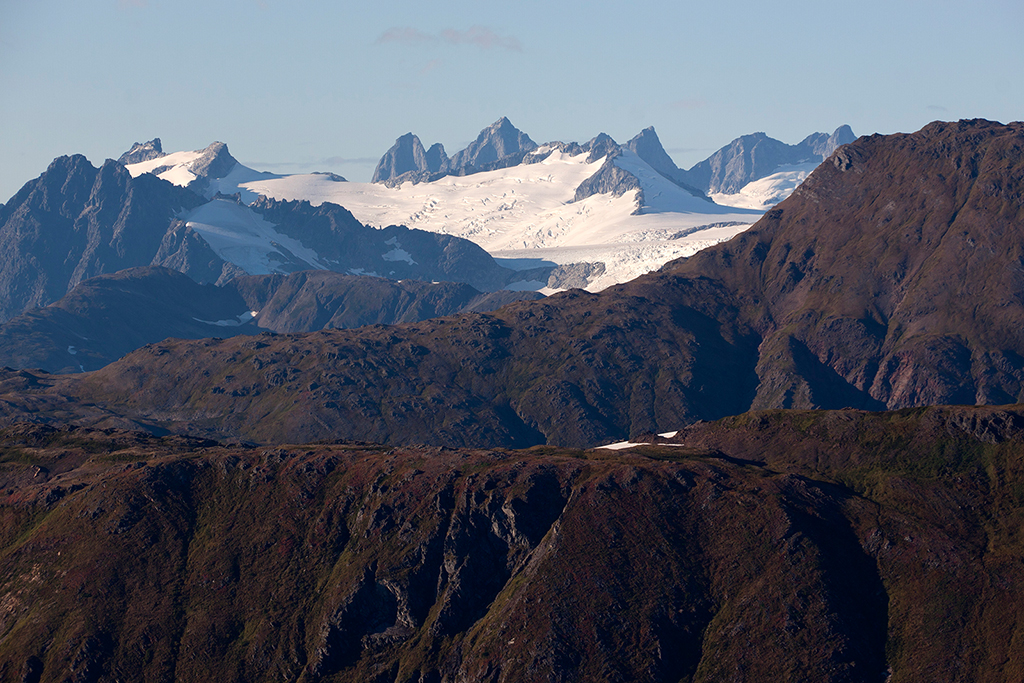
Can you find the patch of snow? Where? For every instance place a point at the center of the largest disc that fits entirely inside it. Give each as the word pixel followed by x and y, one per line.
pixel 619 445
pixel 72 351
pixel 765 193
pixel 231 322
pixel 181 159
pixel 235 181
pixel 397 254
pixel 178 175
pixel 668 435
pixel 363 271
pixel 240 235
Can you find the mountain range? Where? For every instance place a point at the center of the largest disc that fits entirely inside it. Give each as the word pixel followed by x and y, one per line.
pixel 76 221
pixel 206 223
pixel 622 210
pixel 726 173
pixel 109 316
pixel 792 502
pixel 818 305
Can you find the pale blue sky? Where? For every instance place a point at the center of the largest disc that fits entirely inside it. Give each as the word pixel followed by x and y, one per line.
pixel 318 85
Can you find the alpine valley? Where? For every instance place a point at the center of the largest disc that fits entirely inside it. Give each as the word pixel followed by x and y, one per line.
pixel 765 425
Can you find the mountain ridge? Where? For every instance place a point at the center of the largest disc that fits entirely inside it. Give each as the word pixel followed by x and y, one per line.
pixel 785 315
pixel 746 159
pixel 846 546
pixel 75 221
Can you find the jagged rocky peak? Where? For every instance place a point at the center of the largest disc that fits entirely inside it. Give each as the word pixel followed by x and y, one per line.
pixel 142 151
pixel 436 158
pixel 755 156
pixel 408 156
pixel 843 135
pixel 499 140
pixel 601 146
pixel 215 162
pixel 648 147
pixel 820 146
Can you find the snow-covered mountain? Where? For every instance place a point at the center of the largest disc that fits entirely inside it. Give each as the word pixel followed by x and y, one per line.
pixel 206 171
pixel 528 213
pixel 621 210
pixel 756 171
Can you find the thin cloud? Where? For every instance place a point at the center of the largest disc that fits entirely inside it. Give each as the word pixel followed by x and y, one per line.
pixel 937 107
pixel 688 105
pixel 430 66
pixel 406 36
pixel 482 37
pixel 475 36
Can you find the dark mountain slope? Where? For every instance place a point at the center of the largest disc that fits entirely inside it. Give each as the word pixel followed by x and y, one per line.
pixel 575 368
pixel 896 269
pixel 319 300
pixel 395 252
pixel 75 222
pixel 108 316
pixel 893 278
pixel 832 546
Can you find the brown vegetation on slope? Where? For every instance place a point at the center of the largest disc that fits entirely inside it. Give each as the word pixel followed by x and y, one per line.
pixel 830 546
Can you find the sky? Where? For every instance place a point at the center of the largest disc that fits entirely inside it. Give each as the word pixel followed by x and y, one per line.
pixel 322 85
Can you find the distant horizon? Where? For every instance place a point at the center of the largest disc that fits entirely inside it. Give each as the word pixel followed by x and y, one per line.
pixel 371 162
pixel 317 86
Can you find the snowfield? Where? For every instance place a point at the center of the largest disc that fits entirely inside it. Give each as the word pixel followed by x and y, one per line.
pixel 526 213
pixel 238 234
pixel 765 193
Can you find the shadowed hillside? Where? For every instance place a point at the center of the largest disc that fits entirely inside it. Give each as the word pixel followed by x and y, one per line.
pixel 829 546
